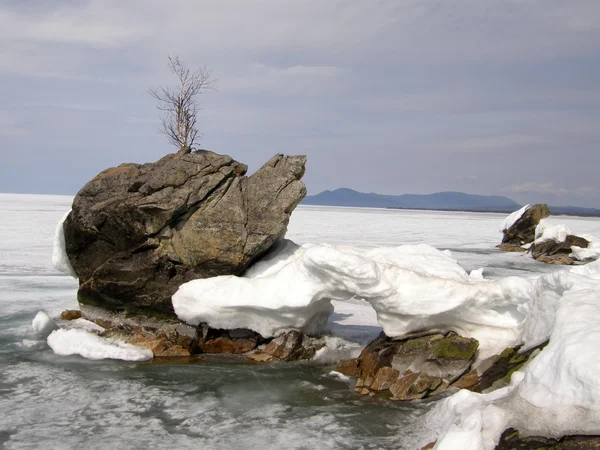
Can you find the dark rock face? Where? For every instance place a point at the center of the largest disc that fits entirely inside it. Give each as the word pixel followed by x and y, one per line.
pixel 235 342
pixel 137 232
pixel 523 230
pixel 510 440
pixel 411 369
pixel 553 248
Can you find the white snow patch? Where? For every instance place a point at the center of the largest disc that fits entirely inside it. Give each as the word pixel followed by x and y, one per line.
pixel 79 342
pixel 42 324
pixel 60 260
pixel 510 220
pixel 412 288
pixel 340 376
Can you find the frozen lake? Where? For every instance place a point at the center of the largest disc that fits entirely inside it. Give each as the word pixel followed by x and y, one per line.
pixel 49 401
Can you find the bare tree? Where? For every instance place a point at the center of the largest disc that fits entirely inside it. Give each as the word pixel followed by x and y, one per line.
pixel 180 104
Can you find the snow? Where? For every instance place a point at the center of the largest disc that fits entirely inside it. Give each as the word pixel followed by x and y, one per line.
pixel 557 393
pixel 545 232
pixel 42 324
pixel 60 260
pixel 412 288
pixel 80 342
pixel 510 220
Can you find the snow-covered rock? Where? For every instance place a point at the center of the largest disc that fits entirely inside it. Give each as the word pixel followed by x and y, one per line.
pixel 412 288
pixel 558 392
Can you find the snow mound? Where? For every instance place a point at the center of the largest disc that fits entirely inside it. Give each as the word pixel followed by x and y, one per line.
pixel 555 394
pixel 510 220
pixel 412 288
pixel 42 324
pixel 79 342
pixel 60 260
pixel 545 232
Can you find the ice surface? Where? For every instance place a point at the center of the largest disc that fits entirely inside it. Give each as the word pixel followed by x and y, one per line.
pixel 412 288
pixel 91 346
pixel 42 324
pixel 510 220
pixel 60 260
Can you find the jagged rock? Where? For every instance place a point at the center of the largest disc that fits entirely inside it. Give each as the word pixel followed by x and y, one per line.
pixel 137 232
pixel 510 440
pixel 552 248
pixel 162 343
pixel 495 371
pixel 290 346
pixel 238 341
pixel 523 230
pixel 412 368
pixel 71 314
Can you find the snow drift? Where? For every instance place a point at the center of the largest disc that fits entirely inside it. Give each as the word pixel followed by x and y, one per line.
pixel 412 288
pixel 558 392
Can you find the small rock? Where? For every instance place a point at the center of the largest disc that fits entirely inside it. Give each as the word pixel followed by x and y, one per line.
pixel 71 314
pixel 510 248
pixel 510 440
pixel 290 346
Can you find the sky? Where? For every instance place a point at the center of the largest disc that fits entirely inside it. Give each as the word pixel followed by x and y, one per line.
pixel 402 96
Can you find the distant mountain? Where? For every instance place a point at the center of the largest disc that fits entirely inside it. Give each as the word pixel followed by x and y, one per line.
pixel 445 201
pixel 453 201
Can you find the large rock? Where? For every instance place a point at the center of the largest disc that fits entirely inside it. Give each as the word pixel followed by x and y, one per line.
pixel 411 369
pixel 523 230
pixel 137 232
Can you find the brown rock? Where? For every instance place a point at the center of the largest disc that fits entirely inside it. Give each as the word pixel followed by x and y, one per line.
pixel 555 259
pixel 553 252
pixel 290 346
pixel 510 248
pixel 523 230
pixel 411 368
pixel 71 314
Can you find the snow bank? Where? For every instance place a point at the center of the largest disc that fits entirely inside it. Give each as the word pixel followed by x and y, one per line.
pixel 555 394
pixel 510 220
pixel 79 342
pixel 42 324
pixel 60 260
pixel 412 288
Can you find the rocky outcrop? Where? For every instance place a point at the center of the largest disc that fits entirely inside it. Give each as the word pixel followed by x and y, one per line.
pixel 137 232
pixel 413 368
pixel 523 230
pixel 554 252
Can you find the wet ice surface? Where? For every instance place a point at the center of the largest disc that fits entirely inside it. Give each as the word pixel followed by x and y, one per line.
pixel 49 401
